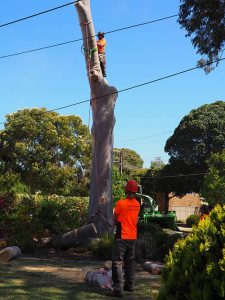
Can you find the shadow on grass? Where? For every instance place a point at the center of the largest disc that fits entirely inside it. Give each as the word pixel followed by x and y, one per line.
pixel 37 279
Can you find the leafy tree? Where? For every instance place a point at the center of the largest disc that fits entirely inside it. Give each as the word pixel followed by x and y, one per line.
pixel 45 150
pixel 204 22
pixel 151 179
pixel 129 159
pixel 213 189
pixel 119 181
pixel 199 134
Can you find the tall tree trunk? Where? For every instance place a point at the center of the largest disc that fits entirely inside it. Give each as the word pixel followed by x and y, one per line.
pixel 103 98
pixel 103 102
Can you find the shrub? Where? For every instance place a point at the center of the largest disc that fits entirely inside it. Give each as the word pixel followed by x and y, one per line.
pixel 154 242
pixel 193 220
pixel 195 268
pixel 60 214
pixel 102 247
pixel 21 222
pixel 26 217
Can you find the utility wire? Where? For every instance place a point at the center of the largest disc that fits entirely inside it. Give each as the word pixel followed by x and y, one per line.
pixel 131 88
pixel 148 136
pixel 81 39
pixel 134 86
pixel 175 176
pixel 37 14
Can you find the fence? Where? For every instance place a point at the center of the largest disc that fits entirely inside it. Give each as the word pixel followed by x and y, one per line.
pixel 182 212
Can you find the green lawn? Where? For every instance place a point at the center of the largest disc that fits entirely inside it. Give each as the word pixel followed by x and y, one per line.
pixel 24 279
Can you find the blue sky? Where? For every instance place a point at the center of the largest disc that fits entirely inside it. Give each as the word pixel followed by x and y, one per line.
pixel 145 117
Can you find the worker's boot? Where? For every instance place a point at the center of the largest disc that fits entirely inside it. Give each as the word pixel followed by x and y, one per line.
pixel 128 287
pixel 114 293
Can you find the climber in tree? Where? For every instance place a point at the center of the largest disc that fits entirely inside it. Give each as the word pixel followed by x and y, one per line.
pixel 101 43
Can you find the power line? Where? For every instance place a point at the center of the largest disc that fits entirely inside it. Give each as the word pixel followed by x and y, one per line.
pixel 175 176
pixel 37 14
pixel 148 136
pixel 132 87
pixel 81 39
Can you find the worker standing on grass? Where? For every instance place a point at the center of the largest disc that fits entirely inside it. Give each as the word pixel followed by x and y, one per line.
pixel 126 218
pixel 101 44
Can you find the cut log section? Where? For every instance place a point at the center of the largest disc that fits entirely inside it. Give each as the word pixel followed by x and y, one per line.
pixel 9 253
pixel 153 268
pixel 75 237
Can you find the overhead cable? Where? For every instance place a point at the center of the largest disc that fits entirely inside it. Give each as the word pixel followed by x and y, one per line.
pixel 175 176
pixel 81 39
pixel 35 15
pixel 148 136
pixel 131 88
pixel 135 86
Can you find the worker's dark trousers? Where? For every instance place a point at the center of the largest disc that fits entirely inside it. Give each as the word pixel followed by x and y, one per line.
pixel 123 252
pixel 102 63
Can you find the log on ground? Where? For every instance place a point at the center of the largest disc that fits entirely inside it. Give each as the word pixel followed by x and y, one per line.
pixel 75 237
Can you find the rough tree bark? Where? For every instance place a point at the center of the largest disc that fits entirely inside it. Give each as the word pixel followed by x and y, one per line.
pixel 103 98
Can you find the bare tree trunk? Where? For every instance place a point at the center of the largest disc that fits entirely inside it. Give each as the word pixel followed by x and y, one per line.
pixel 103 102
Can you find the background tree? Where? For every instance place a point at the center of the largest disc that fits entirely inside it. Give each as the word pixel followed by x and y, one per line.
pixel 204 22
pixel 213 189
pixel 127 160
pixel 119 181
pixel 150 180
pixel 199 134
pixel 45 151
pixel 103 98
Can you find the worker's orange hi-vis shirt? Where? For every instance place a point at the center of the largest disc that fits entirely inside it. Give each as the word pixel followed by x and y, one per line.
pixel 127 211
pixel 101 46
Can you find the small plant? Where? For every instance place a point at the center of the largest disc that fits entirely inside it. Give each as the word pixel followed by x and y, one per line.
pixel 154 242
pixel 192 220
pixel 102 247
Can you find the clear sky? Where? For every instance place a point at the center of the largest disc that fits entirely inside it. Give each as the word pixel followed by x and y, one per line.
pixel 146 116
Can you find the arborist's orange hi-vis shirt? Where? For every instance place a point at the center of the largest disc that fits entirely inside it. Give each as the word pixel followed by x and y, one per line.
pixel 101 46
pixel 127 211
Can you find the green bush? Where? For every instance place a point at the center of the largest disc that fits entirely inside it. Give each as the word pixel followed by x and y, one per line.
pixel 154 242
pixel 102 247
pixel 195 268
pixel 21 222
pixel 60 214
pixel 26 218
pixel 193 220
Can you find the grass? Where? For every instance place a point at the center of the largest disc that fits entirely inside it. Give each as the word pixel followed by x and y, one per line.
pixel 24 279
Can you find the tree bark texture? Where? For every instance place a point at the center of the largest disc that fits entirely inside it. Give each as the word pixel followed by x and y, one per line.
pixel 103 98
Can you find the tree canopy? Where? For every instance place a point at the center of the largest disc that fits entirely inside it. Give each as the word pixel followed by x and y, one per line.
pixel 49 152
pixel 129 159
pixel 199 134
pixel 204 22
pixel 213 189
pixel 151 179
